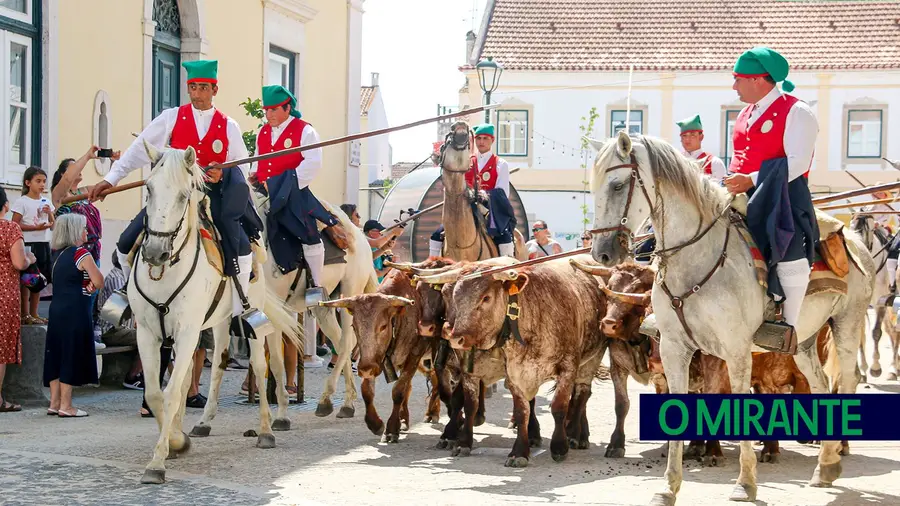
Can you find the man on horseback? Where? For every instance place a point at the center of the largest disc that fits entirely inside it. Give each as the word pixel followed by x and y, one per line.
pixel 489 174
pixel 217 139
pixel 890 224
pixel 293 211
pixel 691 140
pixel 774 142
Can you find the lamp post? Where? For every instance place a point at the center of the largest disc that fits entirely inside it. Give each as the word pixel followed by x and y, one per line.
pixel 488 78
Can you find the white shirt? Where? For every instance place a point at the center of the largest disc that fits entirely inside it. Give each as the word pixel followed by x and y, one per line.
pixel 502 170
pixel 536 250
pixel 801 129
pixel 312 159
pixel 30 209
pixel 158 133
pixel 716 164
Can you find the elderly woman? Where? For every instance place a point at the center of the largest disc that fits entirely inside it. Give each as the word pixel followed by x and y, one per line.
pixel 12 260
pixel 69 357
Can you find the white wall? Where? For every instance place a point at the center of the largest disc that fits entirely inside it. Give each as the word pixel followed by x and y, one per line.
pixel 378 148
pixel 562 213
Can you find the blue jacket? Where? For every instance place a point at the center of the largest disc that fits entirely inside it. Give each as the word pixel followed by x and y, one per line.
pixel 502 214
pixel 776 212
pixel 291 221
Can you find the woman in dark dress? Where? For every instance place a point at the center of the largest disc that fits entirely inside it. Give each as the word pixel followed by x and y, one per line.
pixel 69 358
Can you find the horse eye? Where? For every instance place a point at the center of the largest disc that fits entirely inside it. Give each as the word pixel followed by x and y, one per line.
pixel 619 186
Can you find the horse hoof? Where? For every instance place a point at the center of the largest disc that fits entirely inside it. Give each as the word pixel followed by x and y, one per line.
pixel 876 373
pixel 265 441
pixel 825 475
pixel 390 438
pixel 488 393
pixel 181 446
pixel 559 457
pixel 461 451
pixel 614 453
pixel 511 424
pixel 404 426
pixel 516 462
pixel 201 430
pixel 154 476
pixel 172 455
pixel 535 442
pixel 713 460
pixel 281 424
pixel 431 419
pixel 863 379
pixel 771 458
pixel 346 412
pixel 443 444
pixel 250 433
pixel 892 376
pixel 479 420
pixel 452 445
pixel 845 449
pixel 324 408
pixel 663 499
pixel 693 452
pixel 743 493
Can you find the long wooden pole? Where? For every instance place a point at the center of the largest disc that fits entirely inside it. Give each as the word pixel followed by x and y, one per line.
pixel 863 185
pixel 877 212
pixel 298 149
pixel 859 204
pixel 526 263
pixel 856 193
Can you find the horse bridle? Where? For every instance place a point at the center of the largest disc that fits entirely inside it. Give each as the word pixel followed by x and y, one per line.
pixel 635 180
pixel 170 235
pixel 460 143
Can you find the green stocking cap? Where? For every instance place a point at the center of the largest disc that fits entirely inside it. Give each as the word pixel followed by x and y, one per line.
pixel 690 124
pixel 202 71
pixel 276 96
pixel 484 129
pixel 762 61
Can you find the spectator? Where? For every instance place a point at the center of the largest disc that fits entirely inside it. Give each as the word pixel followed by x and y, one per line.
pixel 65 183
pixel 381 245
pixel 587 240
pixel 125 334
pixel 351 211
pixel 34 214
pixel 542 245
pixel 69 358
pixel 12 260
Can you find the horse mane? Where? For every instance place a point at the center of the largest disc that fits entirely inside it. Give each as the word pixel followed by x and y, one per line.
pixel 170 171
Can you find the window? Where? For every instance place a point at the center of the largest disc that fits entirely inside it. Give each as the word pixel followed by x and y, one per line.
pixel 864 129
pixel 635 122
pixel 16 78
pixel 16 9
pixel 512 133
pixel 730 119
pixel 282 68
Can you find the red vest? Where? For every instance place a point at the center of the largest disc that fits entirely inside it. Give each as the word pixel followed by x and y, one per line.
pixel 184 134
pixel 290 138
pixel 766 145
pixel 487 175
pixel 707 162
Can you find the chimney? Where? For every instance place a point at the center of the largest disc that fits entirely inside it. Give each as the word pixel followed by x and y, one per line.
pixel 374 79
pixel 470 45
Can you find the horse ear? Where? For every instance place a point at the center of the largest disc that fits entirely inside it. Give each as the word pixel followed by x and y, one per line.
pixel 623 144
pixel 190 157
pixel 593 142
pixel 152 152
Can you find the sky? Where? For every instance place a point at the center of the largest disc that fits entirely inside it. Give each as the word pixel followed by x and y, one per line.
pixel 416 46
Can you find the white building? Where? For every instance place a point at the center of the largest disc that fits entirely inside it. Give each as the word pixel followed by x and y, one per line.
pixel 561 60
pixel 375 151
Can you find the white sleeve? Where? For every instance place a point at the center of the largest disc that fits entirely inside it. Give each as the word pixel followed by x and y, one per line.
pixel 236 147
pixel 801 129
pixel 254 166
pixel 18 206
pixel 312 159
pixel 718 168
pixel 503 175
pixel 135 157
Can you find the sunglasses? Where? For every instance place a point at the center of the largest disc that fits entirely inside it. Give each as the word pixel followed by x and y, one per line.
pixel 538 229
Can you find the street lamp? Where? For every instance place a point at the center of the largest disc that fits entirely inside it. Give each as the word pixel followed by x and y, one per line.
pixel 488 77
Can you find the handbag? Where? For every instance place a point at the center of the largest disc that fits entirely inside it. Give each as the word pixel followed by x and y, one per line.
pixel 32 279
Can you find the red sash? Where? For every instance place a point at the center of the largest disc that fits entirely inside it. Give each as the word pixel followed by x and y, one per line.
pixel 184 134
pixel 290 138
pixel 487 175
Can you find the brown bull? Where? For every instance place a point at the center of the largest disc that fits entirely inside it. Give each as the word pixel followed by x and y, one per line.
pixel 386 327
pixel 560 338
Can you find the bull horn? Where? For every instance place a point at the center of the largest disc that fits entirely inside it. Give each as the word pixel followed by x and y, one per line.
pixel 431 272
pixel 401 266
pixel 441 278
pixel 507 275
pixel 594 270
pixel 344 303
pixel 636 299
pixel 398 301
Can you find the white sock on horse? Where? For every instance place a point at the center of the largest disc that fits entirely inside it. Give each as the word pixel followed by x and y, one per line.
pixel 245 263
pixel 315 257
pixel 434 248
pixel 508 250
pixel 123 262
pixel 892 270
pixel 794 278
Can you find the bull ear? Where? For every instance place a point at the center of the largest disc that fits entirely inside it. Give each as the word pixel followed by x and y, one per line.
pixel 190 158
pixel 623 144
pixel 152 153
pixel 515 286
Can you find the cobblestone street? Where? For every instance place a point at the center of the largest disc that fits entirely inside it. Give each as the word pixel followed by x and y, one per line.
pixel 100 459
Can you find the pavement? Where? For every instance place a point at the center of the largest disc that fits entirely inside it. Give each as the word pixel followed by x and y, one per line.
pixel 100 459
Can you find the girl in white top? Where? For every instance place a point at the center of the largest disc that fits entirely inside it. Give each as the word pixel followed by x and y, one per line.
pixel 33 211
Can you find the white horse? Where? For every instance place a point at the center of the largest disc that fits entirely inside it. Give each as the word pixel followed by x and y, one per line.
pixel 355 277
pixel 636 178
pixel 173 294
pixel 864 225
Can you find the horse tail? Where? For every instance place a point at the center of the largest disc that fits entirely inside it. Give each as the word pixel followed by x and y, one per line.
pixel 283 319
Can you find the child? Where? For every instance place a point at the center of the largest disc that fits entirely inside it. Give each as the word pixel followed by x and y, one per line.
pixel 34 213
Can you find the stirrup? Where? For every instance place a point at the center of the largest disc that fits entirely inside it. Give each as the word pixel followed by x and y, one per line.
pixel 314 295
pixel 253 323
pixel 116 310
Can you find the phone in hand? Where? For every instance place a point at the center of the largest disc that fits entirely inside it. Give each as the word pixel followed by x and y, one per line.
pixel 104 153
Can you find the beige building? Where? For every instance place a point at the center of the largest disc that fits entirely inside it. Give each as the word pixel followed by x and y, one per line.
pixel 85 72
